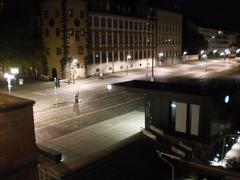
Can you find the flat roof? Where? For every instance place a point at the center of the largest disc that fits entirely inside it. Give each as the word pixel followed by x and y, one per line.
pixel 8 102
pixel 175 87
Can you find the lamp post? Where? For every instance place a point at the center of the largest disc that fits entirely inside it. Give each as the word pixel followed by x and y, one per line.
pixel 214 52
pixel 9 77
pixel 73 64
pixel 128 58
pixel 184 56
pixel 160 55
pixel 151 16
pixel 108 88
pixel 161 154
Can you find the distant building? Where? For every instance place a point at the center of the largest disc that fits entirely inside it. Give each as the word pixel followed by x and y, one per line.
pixel 218 39
pixel 106 36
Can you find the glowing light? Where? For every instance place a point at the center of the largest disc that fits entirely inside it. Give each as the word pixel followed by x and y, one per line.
pixel 160 54
pixel 185 53
pixel 214 51
pixel 202 52
pixel 14 70
pixel 173 105
pixel 109 87
pixel 128 56
pixel 226 99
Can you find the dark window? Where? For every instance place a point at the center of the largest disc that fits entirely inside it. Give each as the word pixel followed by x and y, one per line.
pixel 51 22
pixel 121 56
pixel 115 23
pixel 104 57
pixel 57 32
pixel 115 38
pixel 131 25
pixel 90 21
pixel 126 39
pixel 136 39
pixel 136 54
pixel 109 39
pixel 109 23
pixel 144 54
pixel 90 58
pixel 120 24
pixel 97 58
pixel 76 22
pixel 126 24
pixel 70 13
pixel 110 56
pixel 115 56
pixel 96 38
pixel 80 50
pixel 82 14
pixel 58 51
pixel 57 13
pixel 120 38
pixel 46 32
pixel 46 14
pixel 77 35
pixel 103 22
pixel 82 32
pixel 131 39
pixel 96 21
pixel 103 38
pixel 70 31
pixel 140 26
pixel 140 54
pixel 136 25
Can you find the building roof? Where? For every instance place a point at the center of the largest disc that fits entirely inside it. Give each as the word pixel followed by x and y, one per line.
pixel 8 102
pixel 183 88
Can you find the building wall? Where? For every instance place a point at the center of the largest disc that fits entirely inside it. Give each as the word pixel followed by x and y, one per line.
pixel 77 35
pixel 218 39
pixel 107 39
pixel 169 31
pixel 18 146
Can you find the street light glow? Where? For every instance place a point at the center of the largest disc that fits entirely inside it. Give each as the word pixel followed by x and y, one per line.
pixel 128 56
pixel 214 51
pixel 109 87
pixel 74 61
pixel 202 52
pixel 14 70
pixel 160 54
pixel 185 53
pixel 238 51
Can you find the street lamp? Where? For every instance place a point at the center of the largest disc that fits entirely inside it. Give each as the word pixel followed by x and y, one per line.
pixel 161 154
pixel 214 52
pixel 128 58
pixel 108 88
pixel 184 56
pixel 73 64
pixel 152 17
pixel 160 55
pixel 204 56
pixel 9 77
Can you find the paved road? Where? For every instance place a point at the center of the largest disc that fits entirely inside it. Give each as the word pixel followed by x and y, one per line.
pixel 56 113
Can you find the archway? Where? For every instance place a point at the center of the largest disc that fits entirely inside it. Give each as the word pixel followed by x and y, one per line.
pixel 54 73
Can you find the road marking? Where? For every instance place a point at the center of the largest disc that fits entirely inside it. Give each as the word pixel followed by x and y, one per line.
pixel 38 93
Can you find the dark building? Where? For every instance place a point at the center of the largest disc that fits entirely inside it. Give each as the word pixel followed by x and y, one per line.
pixel 194 122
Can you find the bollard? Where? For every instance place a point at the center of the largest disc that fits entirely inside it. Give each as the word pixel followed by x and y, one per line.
pixel 76 96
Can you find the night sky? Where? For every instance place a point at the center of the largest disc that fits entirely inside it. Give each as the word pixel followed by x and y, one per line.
pixel 212 13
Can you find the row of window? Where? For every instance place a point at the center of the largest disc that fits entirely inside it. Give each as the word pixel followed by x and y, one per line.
pixel 76 22
pixel 59 51
pixel 71 32
pixel 104 56
pixel 127 38
pixel 126 24
pixel 69 12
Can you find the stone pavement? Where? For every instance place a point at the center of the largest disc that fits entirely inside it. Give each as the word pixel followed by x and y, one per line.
pixel 87 145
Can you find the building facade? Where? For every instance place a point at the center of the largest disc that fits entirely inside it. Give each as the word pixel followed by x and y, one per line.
pixel 92 38
pixel 218 39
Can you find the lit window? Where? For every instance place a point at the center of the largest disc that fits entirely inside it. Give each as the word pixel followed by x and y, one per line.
pixel 70 13
pixel 70 31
